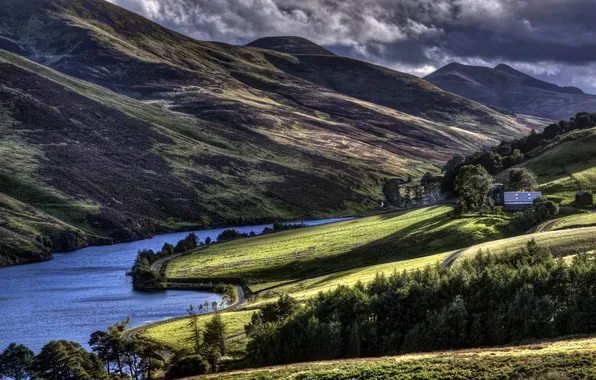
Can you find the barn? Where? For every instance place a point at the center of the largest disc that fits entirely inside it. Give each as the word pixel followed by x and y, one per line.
pixel 518 201
pixel 583 198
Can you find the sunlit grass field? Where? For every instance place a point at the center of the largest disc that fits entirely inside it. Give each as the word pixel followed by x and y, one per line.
pixel 562 359
pixel 560 243
pixel 311 287
pixel 339 247
pixel 573 221
pixel 177 334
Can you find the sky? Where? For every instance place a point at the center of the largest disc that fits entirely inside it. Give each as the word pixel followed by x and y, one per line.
pixel 554 40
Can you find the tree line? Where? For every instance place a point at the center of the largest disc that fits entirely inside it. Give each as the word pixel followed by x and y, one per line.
pixel 490 299
pixel 144 277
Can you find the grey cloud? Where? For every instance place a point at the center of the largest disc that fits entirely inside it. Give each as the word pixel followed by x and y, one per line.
pixel 412 35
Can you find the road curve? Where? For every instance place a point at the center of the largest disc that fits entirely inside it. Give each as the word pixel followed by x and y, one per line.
pixel 545 228
pixel 451 259
pixel 157 266
pixel 129 334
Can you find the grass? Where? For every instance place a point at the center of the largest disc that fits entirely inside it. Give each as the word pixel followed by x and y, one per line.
pixel 176 334
pixel 322 250
pixel 310 287
pixel 584 219
pixel 336 254
pixel 561 243
pixel 556 360
pixel 567 165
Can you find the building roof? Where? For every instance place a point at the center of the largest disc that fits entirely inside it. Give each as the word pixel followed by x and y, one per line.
pixel 520 198
pixel 580 193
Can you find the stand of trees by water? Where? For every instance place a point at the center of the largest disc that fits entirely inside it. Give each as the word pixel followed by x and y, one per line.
pixel 144 277
pixel 483 301
pixel 115 358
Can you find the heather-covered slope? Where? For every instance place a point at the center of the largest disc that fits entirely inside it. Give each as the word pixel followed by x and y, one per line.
pixel 506 88
pixel 200 134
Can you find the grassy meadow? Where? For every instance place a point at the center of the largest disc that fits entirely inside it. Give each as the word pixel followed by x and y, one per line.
pixel 322 250
pixel 560 360
pixel 311 287
pixel 560 243
pixel 580 220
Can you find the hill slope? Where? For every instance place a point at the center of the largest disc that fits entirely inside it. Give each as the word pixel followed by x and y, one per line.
pixel 290 45
pixel 507 88
pixel 564 359
pixel 175 133
pixel 566 165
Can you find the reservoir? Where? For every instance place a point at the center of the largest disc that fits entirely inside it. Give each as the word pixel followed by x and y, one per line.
pixel 81 292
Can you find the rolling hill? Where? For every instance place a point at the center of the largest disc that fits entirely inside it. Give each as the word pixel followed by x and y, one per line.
pixel 113 128
pixel 566 165
pixel 505 88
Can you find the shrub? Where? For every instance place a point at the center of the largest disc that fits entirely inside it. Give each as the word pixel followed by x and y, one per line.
pixel 185 366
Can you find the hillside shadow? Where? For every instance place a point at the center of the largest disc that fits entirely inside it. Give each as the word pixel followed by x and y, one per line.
pixel 401 245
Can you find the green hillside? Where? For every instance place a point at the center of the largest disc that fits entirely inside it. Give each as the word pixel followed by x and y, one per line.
pixel 141 130
pixel 333 248
pixel 566 165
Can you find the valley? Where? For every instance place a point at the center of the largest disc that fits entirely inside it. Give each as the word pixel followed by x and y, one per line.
pixel 236 131
pixel 273 208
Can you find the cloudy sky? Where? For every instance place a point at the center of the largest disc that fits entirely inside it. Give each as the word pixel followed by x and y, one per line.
pixel 554 40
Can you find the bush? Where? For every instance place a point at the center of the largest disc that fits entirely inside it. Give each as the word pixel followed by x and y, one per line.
pixel 185 366
pixel 230 234
pixel 539 212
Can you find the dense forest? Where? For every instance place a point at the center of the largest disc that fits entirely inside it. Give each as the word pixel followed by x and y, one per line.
pixel 486 300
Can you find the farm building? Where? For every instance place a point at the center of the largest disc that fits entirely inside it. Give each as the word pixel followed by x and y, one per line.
pixel 583 198
pixel 518 201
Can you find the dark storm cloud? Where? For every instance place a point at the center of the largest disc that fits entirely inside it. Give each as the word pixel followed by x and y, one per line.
pixel 542 37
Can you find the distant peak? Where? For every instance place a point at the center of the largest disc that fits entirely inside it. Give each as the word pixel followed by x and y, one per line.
pixel 510 70
pixel 290 45
pixel 504 67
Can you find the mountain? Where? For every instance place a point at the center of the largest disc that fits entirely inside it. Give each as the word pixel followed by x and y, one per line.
pixel 113 128
pixel 504 87
pixel 290 45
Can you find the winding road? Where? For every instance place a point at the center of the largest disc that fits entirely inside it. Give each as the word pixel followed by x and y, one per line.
pixel 545 228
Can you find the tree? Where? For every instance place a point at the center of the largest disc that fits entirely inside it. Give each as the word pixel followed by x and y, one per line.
pixel 522 179
pixel 64 360
pixel 280 310
pixel 16 362
pixel 207 240
pixel 110 347
pixel 215 334
pixel 228 293
pixel 193 324
pixel 451 170
pixel 140 358
pixel 474 185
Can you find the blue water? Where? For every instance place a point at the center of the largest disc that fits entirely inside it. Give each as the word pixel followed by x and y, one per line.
pixel 87 290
